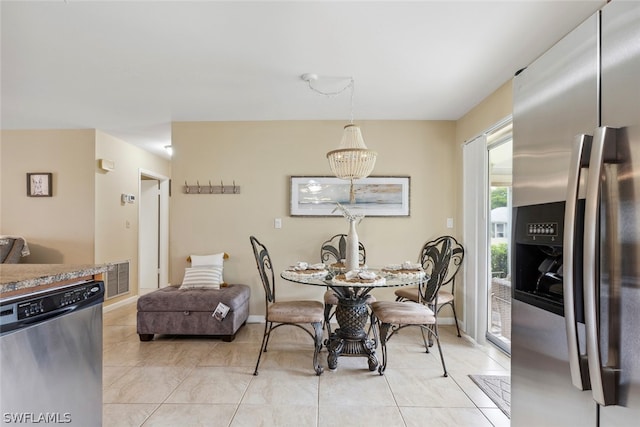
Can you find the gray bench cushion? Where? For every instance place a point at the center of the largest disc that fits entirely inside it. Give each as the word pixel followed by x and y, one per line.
pixel 174 311
pixel 172 298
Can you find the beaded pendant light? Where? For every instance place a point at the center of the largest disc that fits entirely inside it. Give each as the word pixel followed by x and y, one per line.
pixel 352 159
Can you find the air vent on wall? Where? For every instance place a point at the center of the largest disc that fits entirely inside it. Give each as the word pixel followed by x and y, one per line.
pixel 117 281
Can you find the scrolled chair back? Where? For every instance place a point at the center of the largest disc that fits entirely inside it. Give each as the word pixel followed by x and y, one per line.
pixel 335 249
pixel 265 269
pixel 441 259
pixel 455 262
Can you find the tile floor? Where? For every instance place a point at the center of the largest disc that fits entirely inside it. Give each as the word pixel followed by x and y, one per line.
pixel 194 381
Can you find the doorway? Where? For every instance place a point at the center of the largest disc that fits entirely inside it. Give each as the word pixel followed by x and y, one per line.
pixel 499 146
pixel 487 171
pixel 153 234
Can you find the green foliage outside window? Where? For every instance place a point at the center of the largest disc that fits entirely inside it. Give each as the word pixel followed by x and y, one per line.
pixel 498 197
pixel 499 260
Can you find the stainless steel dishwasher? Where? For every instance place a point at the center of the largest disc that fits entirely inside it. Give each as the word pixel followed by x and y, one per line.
pixel 51 356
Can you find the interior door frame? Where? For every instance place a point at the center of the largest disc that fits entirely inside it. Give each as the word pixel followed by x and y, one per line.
pixel 163 234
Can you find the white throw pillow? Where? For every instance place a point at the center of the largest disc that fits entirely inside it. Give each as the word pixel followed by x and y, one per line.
pixel 207 260
pixel 202 277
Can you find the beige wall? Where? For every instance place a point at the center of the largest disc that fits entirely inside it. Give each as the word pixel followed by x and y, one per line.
pixel 114 240
pixel 261 156
pixel 494 108
pixel 84 221
pixel 491 110
pixel 58 229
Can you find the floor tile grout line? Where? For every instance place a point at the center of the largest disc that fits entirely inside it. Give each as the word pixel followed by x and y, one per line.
pixel 497 364
pixel 159 405
pixel 395 400
pixel 244 393
pixel 472 401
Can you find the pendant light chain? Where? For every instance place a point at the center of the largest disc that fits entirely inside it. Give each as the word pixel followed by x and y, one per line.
pixel 351 85
pixel 352 159
pixel 335 93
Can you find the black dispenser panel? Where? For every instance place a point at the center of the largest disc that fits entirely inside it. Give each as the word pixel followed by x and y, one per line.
pixel 538 257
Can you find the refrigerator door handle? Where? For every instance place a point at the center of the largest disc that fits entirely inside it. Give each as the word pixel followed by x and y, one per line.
pixel 578 364
pixel 603 379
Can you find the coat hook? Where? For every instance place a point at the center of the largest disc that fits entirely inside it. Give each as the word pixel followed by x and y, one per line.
pixel 186 185
pixel 222 186
pixel 199 189
pixel 210 187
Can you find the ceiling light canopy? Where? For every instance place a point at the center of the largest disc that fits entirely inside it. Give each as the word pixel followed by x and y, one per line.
pixel 352 159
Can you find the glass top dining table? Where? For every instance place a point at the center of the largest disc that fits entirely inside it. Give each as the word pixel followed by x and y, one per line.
pixel 352 313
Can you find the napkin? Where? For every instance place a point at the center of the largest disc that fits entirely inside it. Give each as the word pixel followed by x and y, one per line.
pixel 301 265
pixel 367 275
pixel 407 265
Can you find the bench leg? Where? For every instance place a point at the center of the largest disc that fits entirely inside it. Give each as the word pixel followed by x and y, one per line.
pixel 145 337
pixel 228 338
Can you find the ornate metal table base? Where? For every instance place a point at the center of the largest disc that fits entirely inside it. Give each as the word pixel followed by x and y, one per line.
pixel 351 338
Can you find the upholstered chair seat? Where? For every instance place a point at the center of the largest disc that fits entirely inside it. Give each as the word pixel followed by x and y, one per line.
pixel 442 259
pixel 444 297
pixel 296 312
pixel 403 313
pixel 286 313
pixel 407 294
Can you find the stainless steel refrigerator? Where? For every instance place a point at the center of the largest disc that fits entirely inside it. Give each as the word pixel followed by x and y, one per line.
pixel 576 228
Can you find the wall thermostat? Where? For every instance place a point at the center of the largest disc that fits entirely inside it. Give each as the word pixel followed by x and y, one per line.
pixel 128 198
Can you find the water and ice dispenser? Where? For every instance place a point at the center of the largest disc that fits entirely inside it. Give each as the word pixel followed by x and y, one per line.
pixel 538 263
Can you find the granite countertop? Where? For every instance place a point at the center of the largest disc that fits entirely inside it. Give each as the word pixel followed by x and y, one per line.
pixel 18 279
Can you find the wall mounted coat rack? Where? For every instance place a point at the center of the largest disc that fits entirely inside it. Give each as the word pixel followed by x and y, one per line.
pixel 211 189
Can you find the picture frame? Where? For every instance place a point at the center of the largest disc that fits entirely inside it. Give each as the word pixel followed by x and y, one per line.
pixel 39 184
pixel 375 196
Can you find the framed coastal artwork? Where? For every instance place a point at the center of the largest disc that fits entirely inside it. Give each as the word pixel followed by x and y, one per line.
pixel 372 196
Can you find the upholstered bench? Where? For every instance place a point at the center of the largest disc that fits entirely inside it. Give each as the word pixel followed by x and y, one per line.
pixel 176 311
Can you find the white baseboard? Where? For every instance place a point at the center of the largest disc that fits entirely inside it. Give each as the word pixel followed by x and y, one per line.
pixel 130 300
pixel 446 321
pixel 250 319
pixel 441 320
pixel 255 319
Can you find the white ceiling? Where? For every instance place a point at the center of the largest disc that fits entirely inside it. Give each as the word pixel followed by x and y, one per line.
pixel 130 68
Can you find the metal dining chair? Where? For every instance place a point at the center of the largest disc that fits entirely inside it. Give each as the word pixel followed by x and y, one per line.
pixel 442 256
pixel 280 313
pixel 392 316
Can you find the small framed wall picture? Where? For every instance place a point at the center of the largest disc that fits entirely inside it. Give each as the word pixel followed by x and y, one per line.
pixel 39 184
